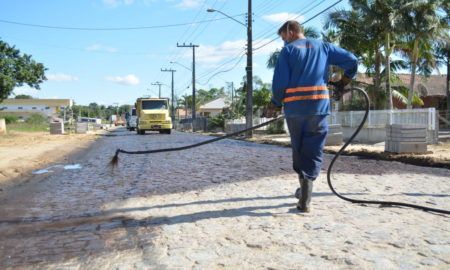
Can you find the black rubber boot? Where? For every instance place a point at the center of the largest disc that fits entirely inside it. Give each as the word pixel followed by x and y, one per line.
pixel 306 194
pixel 298 192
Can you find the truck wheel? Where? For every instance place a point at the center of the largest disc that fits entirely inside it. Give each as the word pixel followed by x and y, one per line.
pixel 168 131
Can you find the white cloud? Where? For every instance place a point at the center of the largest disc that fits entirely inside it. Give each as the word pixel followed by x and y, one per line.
pixel 208 54
pixel 268 47
pixel 100 48
pixel 61 77
pixel 187 4
pixel 130 79
pixel 24 90
pixel 115 3
pixel 213 55
pixel 282 17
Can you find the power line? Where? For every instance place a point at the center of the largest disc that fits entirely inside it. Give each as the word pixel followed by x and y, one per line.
pixel 174 56
pixel 269 32
pixel 221 65
pixel 313 17
pixel 207 73
pixel 223 71
pixel 113 28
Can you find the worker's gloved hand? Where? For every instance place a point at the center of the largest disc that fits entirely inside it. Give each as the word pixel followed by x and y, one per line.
pixel 273 110
pixel 339 87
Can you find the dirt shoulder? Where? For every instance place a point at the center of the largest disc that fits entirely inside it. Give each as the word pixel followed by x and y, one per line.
pixel 438 155
pixel 23 152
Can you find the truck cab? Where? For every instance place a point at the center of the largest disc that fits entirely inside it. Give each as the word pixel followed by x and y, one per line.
pixel 153 115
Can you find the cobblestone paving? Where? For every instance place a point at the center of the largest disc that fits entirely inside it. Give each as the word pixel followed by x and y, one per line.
pixel 227 205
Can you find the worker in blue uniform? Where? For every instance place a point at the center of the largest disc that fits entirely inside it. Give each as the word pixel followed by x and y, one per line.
pixel 300 86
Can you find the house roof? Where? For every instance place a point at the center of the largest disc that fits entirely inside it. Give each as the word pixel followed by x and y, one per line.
pixel 216 104
pixel 431 86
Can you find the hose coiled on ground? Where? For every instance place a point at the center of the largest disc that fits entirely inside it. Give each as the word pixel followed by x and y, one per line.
pixel 381 203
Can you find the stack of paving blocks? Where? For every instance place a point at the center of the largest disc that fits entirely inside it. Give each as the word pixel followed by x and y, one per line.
pixel 56 128
pixel 406 139
pixel 334 136
pixel 81 128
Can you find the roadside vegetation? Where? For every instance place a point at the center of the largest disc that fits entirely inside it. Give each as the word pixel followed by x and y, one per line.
pixel 390 36
pixel 35 123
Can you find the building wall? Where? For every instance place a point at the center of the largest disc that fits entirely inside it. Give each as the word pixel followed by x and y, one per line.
pixel 210 112
pixel 26 107
pixel 20 108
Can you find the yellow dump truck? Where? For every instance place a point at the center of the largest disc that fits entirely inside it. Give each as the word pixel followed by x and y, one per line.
pixel 153 114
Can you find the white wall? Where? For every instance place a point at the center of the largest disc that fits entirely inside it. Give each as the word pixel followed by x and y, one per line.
pixel 18 108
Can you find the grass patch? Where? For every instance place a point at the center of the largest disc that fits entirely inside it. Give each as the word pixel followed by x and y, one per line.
pixel 27 127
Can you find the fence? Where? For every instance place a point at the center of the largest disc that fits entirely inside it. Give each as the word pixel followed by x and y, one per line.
pixel 378 119
pixel 199 124
pixel 235 125
pixel 444 119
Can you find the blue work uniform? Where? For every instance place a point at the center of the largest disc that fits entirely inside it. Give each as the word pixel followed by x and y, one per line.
pixel 300 85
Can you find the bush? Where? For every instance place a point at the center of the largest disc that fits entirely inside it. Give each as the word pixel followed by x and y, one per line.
pixel 10 119
pixel 217 122
pixel 276 128
pixel 36 119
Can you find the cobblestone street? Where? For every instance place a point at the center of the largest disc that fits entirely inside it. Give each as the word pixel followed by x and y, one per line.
pixel 226 205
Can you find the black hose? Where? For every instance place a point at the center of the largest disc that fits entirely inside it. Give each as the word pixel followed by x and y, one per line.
pixel 381 203
pixel 115 159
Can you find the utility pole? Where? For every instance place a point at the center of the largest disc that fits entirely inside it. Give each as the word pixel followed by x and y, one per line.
pixel 158 84
pixel 173 111
pixel 249 68
pixel 193 79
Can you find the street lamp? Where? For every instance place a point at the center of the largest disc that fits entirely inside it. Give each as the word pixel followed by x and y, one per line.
pixel 175 62
pixel 249 68
pixel 215 10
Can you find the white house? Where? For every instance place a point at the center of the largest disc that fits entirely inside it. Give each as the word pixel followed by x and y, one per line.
pixel 214 107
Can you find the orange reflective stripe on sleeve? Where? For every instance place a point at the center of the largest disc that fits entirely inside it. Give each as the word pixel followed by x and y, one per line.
pixel 306 89
pixel 311 97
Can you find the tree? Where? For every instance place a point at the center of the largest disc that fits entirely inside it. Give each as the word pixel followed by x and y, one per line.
pixel 377 24
pixel 23 97
pixel 353 33
pixel 388 19
pixel 442 54
pixel 422 24
pixel 17 69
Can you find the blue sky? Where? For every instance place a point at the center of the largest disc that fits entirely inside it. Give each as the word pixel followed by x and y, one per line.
pixel 117 66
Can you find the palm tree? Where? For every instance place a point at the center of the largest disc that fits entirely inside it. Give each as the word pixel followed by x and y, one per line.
pixel 384 18
pixel 442 54
pixel 351 30
pixel 422 24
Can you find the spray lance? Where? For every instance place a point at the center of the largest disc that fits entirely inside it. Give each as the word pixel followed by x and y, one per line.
pixel 338 91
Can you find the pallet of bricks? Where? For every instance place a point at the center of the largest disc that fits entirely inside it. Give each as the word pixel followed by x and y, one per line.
pixel 56 128
pixel 406 138
pixel 81 128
